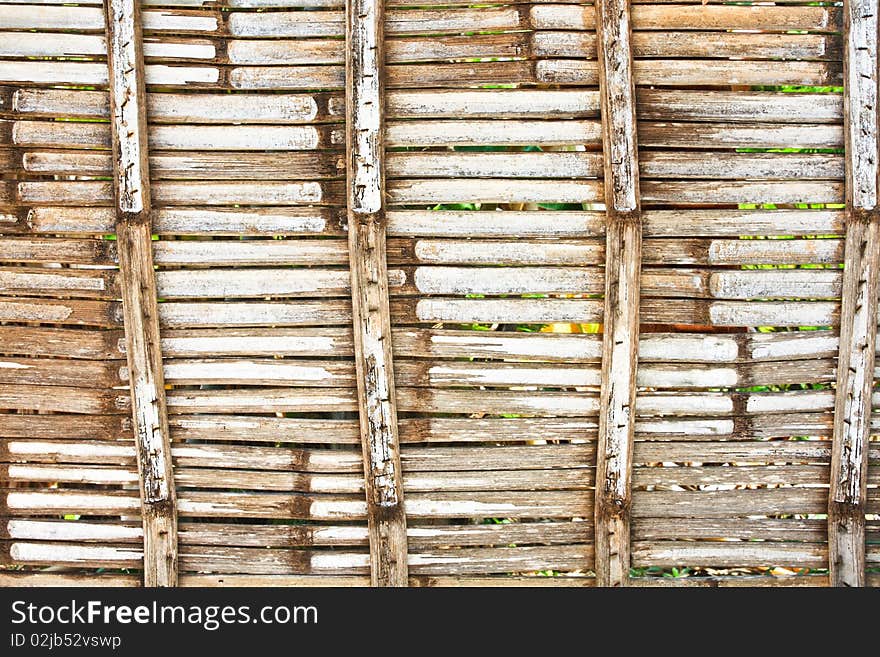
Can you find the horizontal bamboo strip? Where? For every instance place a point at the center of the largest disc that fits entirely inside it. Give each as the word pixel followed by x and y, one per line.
pixel 337 374
pixel 728 555
pixel 668 44
pixel 728 503
pixel 287 430
pixel 281 481
pixel 498 480
pixel 192 165
pixel 284 536
pixel 417 459
pixel 669 72
pixel 301 165
pixel 526 403
pixel 764 529
pixel 548 347
pixel 555 504
pixel 178 137
pixel 194 580
pixel 762 475
pixel 439 309
pixel 330 23
pixel 431 133
pixel 432 191
pixel 706 17
pixel 260 561
pixel 653 105
pixel 205 221
pixel 683 72
pixel 810 451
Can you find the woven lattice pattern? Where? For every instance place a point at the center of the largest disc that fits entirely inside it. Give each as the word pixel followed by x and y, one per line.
pixel 480 206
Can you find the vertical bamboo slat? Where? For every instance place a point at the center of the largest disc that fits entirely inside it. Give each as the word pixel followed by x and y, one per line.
pixel 622 278
pixel 138 283
pixel 369 289
pixel 253 117
pixel 858 318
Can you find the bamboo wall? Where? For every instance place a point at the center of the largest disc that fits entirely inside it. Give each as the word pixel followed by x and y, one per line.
pixel 296 293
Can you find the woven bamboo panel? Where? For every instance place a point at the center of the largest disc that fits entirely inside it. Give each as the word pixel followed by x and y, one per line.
pixel 496 229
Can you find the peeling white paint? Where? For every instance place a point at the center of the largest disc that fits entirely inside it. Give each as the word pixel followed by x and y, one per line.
pixel 70 531
pixel 31 447
pixel 340 534
pixel 582 348
pixel 41 553
pixel 681 404
pixel 71 474
pixel 655 376
pixel 805 401
pixel 325 561
pixel 84 502
pixel 777 346
pixel 458 508
pixel 686 427
pixel 337 510
pixel 688 348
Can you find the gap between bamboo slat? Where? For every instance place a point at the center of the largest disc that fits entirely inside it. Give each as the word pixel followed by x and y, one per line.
pixel 622 280
pixel 138 291
pixel 371 315
pixel 861 279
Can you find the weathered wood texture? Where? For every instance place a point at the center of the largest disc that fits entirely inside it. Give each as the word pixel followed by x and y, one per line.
pixel 499 238
pixel 138 291
pixel 371 316
pixel 861 284
pixel 622 284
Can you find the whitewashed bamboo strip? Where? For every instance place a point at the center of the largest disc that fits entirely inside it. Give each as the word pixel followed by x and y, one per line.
pixel 499 165
pixel 277 252
pixel 171 107
pixel 728 503
pixel 439 165
pixel 437 133
pixel 324 373
pixel 181 284
pixel 131 194
pixel 51 44
pixel 281 481
pixel 31 17
pixel 739 106
pixel 299 313
pixel 736 192
pixel 179 137
pixel 203 221
pixel 294 24
pixel 49 72
pixel 410 311
pixel 707 17
pixel 470 133
pixel 728 555
pixel 185 193
pixel 492 190
pixel 695 44
pixel 661 223
pixel 653 104
pixel 673 72
pixel 330 23
pixel 433 191
pixel 549 504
